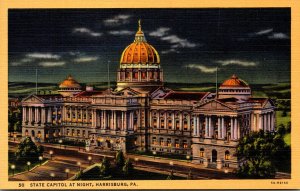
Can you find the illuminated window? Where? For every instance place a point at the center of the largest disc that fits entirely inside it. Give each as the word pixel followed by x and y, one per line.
pixel 185 145
pixel 169 124
pixel 227 155
pixel 176 143
pixel 201 152
pixel 155 123
pixel 68 132
pixel 177 125
pixel 169 143
pixel 161 141
pixel 185 125
pixel 83 133
pixel 162 123
pixel 78 133
pixel 73 132
pixel 153 140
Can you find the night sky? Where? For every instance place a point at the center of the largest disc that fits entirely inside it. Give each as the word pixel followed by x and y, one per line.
pixel 252 43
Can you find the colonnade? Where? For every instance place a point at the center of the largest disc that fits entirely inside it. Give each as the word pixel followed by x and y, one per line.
pixel 264 121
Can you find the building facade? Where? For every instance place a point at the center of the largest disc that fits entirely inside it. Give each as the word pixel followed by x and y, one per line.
pixel 141 114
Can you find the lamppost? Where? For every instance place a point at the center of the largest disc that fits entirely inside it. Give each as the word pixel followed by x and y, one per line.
pixel 171 164
pixel 111 142
pixel 52 175
pixel 60 142
pixel 28 165
pixel 51 153
pixel 79 165
pixel 67 172
pixel 40 159
pixel 13 168
pixel 90 160
pixel 136 160
pixel 187 158
pixel 154 153
pixel 15 137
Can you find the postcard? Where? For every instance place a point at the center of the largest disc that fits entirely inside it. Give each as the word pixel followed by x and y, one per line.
pixel 149 95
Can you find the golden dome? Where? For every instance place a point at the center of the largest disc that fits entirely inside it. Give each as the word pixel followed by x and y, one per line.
pixel 140 51
pixel 234 81
pixel 69 82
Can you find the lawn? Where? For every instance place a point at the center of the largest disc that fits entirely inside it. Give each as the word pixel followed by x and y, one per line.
pixel 287 139
pixel 20 166
pixel 282 120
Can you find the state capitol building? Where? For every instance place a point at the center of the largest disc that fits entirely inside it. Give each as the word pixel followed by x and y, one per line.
pixel 141 114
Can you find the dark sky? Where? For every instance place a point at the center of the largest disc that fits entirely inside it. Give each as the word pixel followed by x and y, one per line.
pixel 252 43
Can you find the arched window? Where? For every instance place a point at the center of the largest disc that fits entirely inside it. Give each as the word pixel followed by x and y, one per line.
pixel 201 152
pixel 227 155
pixel 26 133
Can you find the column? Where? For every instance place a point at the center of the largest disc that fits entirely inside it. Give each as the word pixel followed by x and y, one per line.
pixel 56 114
pixel 131 120
pixel 231 128
pixel 104 119
pixel 165 115
pixel 23 114
pixel 125 121
pixel 173 120
pixel 76 114
pixel 87 115
pixel 198 127
pixel 49 120
pixel 180 121
pixel 235 128
pixel 195 127
pixel 122 120
pixel 272 121
pixel 35 115
pixel 210 127
pixel 81 114
pixel 189 122
pixel 43 115
pixel 223 128
pixel 206 127
pixel 265 121
pixel 219 128
pixel 115 120
pixel 261 127
pixel 29 114
pixel 93 118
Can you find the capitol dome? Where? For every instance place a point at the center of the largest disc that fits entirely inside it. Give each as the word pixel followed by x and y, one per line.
pixel 140 52
pixel 140 67
pixel 234 87
pixel 234 81
pixel 69 82
pixel 69 87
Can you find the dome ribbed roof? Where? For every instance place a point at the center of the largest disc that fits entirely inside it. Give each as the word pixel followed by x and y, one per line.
pixel 234 81
pixel 69 82
pixel 140 52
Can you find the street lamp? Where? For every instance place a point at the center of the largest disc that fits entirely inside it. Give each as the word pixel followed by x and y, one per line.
pixel 15 137
pixel 171 164
pixel 136 160
pixel 60 142
pixel 188 158
pixel 154 153
pixel 67 172
pixel 52 175
pixel 90 160
pixel 28 165
pixel 51 153
pixel 13 168
pixel 226 170
pixel 40 159
pixel 79 165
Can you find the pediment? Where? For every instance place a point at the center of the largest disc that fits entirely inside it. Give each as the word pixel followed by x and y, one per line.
pixel 268 104
pixel 33 99
pixel 128 92
pixel 214 105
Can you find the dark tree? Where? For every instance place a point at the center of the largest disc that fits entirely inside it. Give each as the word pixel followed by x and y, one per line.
pixel 281 130
pixel 128 168
pixel 288 127
pixel 262 153
pixel 120 159
pixel 105 167
pixel 28 151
